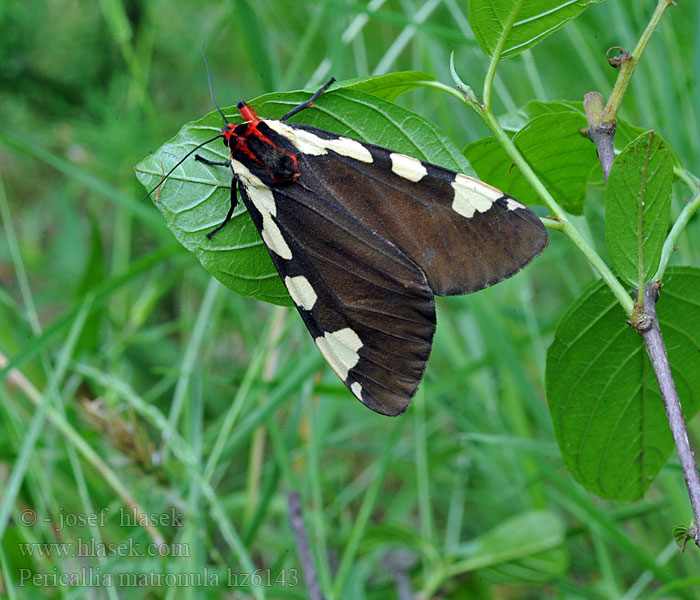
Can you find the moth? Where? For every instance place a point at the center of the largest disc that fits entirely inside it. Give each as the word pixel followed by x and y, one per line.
pixel 364 238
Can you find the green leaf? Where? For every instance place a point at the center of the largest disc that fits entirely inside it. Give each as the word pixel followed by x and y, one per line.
pixel 681 533
pixel 538 567
pixel 638 207
pixel 93 274
pixel 532 21
pixel 624 132
pixel 391 85
pixel 528 547
pixel 196 197
pixel 522 544
pixel 552 145
pixel 603 398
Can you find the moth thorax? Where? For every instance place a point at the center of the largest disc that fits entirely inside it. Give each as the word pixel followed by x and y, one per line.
pixel 283 167
pixel 279 163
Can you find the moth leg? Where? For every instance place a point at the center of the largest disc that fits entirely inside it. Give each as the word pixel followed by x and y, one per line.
pixel 310 101
pixel 234 202
pixel 216 163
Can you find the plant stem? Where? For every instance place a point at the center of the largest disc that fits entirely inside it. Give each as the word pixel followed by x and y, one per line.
pixel 602 134
pixel 497 51
pixel 603 121
pixel 551 223
pixel 296 520
pixel 601 124
pixel 446 88
pixel 602 131
pixel 565 226
pixel 687 177
pixel 629 64
pixel 651 334
pixel 678 228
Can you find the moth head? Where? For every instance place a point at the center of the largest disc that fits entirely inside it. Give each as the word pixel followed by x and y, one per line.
pixel 227 133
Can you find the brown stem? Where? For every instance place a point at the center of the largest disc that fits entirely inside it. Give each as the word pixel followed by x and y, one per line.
pixel 651 333
pixel 296 519
pixel 398 563
pixel 602 120
pixel 600 132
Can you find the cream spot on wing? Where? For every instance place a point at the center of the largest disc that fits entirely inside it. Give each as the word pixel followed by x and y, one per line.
pixel 513 204
pixel 340 350
pixel 309 143
pixel 304 141
pixel 350 148
pixel 263 200
pixel 259 193
pixel 272 236
pixel 472 195
pixel 282 128
pixel 356 389
pixel 301 291
pixel 407 167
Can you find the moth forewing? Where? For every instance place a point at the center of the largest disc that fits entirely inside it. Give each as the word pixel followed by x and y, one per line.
pixel 364 237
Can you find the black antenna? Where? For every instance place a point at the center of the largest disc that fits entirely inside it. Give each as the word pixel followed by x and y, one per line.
pixel 213 97
pixel 211 87
pixel 180 162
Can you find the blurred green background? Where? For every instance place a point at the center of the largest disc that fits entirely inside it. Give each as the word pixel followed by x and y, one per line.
pixel 125 340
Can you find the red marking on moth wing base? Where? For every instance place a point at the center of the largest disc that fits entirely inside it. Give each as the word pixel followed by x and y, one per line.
pixel 242 146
